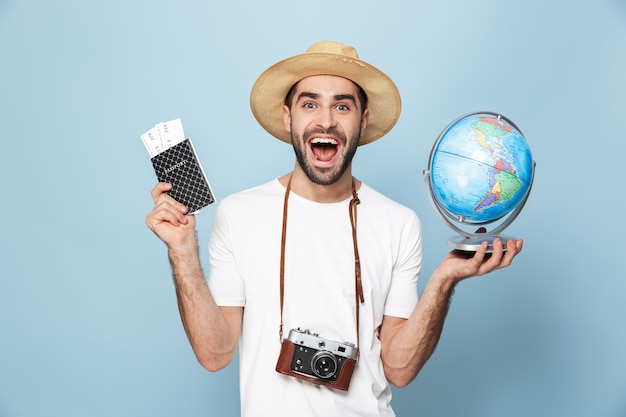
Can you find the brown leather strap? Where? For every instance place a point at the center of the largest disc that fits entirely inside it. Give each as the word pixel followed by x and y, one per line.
pixel 283 239
pixel 358 284
pixel 359 297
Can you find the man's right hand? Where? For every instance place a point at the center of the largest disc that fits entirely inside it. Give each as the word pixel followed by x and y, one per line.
pixel 213 331
pixel 169 220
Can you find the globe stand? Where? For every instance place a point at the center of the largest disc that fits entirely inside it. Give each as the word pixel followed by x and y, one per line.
pixel 469 241
pixel 471 244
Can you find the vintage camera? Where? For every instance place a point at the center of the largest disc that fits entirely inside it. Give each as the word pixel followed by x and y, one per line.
pixel 307 356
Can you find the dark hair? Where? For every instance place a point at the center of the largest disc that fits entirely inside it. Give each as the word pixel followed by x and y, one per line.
pixel 360 94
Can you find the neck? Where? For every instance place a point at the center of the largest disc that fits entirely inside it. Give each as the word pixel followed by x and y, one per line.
pixel 304 187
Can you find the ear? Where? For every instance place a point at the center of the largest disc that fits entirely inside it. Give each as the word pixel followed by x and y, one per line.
pixel 287 118
pixel 364 120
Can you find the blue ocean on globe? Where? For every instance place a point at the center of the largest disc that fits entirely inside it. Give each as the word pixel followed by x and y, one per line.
pixel 481 168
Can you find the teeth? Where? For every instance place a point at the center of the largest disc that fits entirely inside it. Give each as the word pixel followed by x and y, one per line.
pixel 328 141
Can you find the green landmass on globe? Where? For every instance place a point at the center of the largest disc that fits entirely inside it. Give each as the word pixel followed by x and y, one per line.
pixel 502 177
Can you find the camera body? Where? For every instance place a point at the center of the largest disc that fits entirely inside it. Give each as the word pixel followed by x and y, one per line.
pixel 307 356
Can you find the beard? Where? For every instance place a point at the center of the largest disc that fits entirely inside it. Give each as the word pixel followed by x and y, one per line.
pixel 324 176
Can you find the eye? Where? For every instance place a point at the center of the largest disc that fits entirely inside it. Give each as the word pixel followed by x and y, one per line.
pixel 308 105
pixel 342 107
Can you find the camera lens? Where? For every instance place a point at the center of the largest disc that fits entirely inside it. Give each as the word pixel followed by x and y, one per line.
pixel 324 364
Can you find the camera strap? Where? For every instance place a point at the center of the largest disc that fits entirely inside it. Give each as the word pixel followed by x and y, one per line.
pixel 359 298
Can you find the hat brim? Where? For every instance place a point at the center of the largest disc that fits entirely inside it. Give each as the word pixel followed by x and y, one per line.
pixel 269 91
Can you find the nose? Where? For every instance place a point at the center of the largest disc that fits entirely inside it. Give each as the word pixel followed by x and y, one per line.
pixel 326 119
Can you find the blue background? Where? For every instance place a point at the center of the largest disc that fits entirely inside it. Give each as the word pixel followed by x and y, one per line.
pixel 88 319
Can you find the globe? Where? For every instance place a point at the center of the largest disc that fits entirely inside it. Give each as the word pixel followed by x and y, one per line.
pixel 480 173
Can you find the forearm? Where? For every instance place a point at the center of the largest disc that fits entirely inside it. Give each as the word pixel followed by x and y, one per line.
pixel 413 342
pixel 212 338
pixel 407 344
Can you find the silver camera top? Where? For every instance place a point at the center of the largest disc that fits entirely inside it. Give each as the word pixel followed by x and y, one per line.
pixel 312 340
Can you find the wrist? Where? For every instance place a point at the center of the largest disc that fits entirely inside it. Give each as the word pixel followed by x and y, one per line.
pixel 184 252
pixel 444 281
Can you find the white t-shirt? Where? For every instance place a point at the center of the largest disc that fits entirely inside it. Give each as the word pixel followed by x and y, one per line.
pixel 319 291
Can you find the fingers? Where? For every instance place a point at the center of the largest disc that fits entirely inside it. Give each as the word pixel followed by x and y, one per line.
pixel 159 194
pixel 166 209
pixel 160 188
pixel 165 212
pixel 460 265
pixel 499 258
pixel 482 260
pixel 513 248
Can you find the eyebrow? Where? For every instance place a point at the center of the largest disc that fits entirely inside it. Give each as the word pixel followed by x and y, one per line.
pixel 338 97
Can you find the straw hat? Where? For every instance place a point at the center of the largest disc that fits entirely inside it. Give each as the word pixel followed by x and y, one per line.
pixel 325 58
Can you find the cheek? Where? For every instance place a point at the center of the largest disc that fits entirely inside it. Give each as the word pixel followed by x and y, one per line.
pixel 298 125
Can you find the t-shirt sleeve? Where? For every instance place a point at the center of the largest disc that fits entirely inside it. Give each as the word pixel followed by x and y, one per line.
pixel 402 296
pixel 224 281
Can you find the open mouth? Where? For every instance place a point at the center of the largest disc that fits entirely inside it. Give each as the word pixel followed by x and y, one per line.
pixel 324 149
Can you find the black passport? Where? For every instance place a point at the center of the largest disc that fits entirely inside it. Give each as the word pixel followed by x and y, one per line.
pixel 179 165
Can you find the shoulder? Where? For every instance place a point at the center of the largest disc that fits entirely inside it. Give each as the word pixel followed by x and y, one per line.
pixel 255 204
pixel 382 218
pixel 270 191
pixel 380 204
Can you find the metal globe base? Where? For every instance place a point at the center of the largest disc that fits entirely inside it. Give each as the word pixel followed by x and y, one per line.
pixel 471 244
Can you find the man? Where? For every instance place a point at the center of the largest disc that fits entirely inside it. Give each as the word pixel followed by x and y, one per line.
pixel 315 249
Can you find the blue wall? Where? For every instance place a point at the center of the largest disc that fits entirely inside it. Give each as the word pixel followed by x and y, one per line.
pixel 88 318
